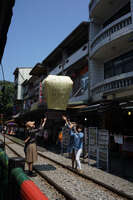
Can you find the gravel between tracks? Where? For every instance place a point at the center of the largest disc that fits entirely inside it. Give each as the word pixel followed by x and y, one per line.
pixel 82 190
pixel 47 189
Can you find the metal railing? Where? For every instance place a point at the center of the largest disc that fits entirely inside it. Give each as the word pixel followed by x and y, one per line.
pixel 113 85
pixel 112 28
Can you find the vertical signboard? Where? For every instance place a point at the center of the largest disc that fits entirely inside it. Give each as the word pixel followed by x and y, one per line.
pixel 92 143
pixel 103 148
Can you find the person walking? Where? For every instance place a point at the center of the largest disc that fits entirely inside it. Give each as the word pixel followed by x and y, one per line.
pixel 30 144
pixel 77 145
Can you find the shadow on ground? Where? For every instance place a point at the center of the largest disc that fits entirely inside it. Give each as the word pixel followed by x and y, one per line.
pixel 46 167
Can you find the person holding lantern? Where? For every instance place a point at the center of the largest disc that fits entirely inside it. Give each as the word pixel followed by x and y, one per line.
pixel 77 146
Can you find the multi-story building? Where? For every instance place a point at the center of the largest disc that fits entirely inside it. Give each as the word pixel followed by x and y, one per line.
pixel 20 75
pixel 33 106
pixel 71 58
pixel 111 71
pixel 111 48
pixel 68 58
pixel 111 52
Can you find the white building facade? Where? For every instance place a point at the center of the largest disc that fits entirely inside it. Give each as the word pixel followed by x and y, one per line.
pixel 20 75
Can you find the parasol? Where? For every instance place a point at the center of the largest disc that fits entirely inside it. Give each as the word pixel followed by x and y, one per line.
pixel 11 124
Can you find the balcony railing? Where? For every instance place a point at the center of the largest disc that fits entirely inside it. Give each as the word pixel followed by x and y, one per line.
pixel 116 26
pixel 75 57
pixel 113 85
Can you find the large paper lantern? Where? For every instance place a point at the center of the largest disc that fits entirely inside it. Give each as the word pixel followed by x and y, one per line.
pixel 57 91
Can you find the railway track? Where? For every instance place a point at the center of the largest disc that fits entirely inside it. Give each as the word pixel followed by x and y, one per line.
pixel 67 182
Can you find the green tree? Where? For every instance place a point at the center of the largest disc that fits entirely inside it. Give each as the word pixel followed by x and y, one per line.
pixel 6 98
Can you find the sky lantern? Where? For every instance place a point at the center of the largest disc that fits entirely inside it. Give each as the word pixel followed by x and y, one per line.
pixel 57 91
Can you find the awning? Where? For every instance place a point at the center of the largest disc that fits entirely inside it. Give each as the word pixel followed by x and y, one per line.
pixel 11 120
pixel 90 108
pixel 77 104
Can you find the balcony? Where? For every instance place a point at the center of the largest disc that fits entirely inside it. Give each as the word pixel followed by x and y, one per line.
pixel 103 9
pixel 82 52
pixel 113 85
pixel 92 5
pixel 111 34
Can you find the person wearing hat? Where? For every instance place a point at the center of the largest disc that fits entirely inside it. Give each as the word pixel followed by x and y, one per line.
pixel 30 143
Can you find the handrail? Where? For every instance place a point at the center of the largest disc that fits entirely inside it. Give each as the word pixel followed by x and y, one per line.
pixel 111 28
pixel 113 85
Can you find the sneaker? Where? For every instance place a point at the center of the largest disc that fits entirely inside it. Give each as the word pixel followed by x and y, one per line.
pixel 32 174
pixel 79 170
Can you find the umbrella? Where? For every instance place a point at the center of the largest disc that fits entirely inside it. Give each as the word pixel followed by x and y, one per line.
pixel 11 124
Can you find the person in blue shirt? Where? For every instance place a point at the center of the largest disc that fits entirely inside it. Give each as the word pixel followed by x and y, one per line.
pixel 77 146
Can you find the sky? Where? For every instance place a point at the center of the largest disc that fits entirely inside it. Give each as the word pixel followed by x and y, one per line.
pixel 37 28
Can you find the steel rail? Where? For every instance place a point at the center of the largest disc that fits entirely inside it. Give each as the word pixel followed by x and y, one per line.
pixel 67 195
pixel 87 177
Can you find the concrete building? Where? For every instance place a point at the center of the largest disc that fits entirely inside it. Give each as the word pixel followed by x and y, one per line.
pixel 111 71
pixel 70 58
pixel 110 49
pixel 32 90
pixel 20 75
pixel 111 58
